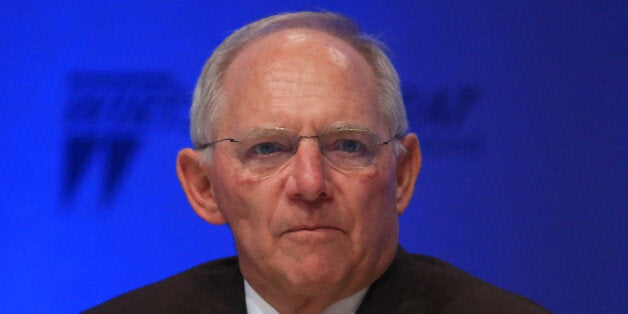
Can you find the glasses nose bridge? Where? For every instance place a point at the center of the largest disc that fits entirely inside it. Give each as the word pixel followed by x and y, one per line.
pixel 297 142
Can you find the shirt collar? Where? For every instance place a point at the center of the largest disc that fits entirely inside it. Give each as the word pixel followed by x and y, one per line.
pixel 255 304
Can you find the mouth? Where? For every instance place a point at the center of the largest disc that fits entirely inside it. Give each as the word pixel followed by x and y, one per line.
pixel 312 233
pixel 311 229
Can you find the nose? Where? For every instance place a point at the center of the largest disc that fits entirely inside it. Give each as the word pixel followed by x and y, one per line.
pixel 309 179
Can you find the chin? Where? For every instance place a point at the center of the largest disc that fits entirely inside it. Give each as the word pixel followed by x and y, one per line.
pixel 317 273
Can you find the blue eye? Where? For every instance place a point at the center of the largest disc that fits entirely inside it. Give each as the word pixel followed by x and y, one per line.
pixel 350 146
pixel 266 148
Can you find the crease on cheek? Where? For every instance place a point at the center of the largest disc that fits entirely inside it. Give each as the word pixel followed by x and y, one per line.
pixel 349 195
pixel 249 206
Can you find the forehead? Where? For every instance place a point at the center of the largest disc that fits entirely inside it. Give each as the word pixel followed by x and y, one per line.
pixel 298 76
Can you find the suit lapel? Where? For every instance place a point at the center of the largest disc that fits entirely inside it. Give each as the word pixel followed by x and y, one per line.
pixel 398 290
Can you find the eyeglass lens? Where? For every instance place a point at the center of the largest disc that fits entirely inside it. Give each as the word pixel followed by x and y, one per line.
pixel 261 153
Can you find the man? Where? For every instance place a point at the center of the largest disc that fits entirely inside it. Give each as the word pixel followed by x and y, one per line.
pixel 301 146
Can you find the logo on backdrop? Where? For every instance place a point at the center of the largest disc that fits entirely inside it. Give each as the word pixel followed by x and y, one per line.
pixel 107 116
pixel 441 119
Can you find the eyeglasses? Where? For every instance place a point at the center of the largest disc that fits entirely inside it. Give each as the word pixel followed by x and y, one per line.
pixel 263 151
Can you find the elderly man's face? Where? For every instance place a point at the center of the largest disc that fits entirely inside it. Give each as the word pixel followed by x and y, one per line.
pixel 305 226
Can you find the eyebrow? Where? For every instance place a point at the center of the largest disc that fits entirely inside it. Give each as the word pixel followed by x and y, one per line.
pixel 265 131
pixel 344 126
pixel 336 127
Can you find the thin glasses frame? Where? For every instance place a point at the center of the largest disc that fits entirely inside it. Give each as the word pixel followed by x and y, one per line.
pixel 265 150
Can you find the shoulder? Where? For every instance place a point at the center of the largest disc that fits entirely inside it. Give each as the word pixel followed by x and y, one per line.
pixel 420 283
pixel 216 285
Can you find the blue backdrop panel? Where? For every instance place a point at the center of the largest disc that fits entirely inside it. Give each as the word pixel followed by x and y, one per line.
pixel 520 108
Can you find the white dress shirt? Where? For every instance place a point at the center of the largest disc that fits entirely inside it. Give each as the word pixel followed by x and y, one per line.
pixel 255 304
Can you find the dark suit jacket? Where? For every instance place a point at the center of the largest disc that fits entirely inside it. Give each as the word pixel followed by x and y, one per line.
pixel 412 284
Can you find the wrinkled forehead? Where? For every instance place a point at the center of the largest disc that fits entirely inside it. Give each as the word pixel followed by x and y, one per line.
pixel 302 69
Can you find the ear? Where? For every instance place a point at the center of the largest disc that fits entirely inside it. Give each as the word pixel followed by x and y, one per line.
pixel 192 173
pixel 408 167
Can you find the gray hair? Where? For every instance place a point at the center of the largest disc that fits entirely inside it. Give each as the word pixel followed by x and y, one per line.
pixel 207 94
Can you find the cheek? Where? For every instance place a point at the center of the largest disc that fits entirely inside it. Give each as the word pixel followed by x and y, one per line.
pixel 380 223
pixel 380 186
pixel 228 190
pixel 246 204
pixel 370 196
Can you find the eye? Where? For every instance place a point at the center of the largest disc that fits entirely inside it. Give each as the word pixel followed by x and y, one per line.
pixel 349 146
pixel 266 148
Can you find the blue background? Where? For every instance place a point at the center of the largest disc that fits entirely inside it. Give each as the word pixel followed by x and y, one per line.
pixel 521 109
